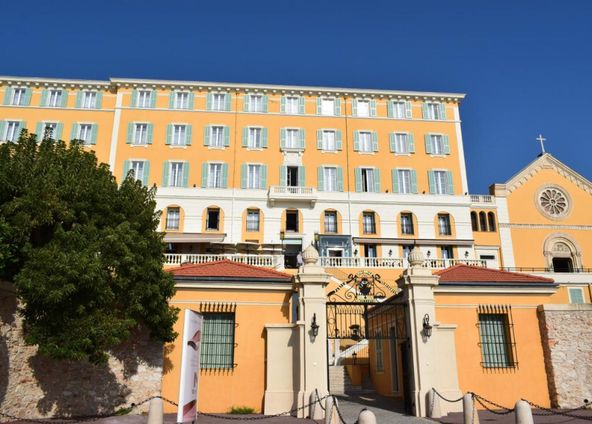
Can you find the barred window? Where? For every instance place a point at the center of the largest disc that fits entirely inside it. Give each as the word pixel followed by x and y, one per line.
pixel 217 344
pixel 496 328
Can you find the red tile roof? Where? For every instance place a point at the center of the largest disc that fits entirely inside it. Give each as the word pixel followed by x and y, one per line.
pixel 229 269
pixel 474 274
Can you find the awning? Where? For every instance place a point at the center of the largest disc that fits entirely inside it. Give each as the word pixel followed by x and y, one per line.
pixel 411 242
pixel 193 238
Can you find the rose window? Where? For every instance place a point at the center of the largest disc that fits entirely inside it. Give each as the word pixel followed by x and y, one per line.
pixel 553 201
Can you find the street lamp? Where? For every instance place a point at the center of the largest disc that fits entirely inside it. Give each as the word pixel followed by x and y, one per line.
pixel 314 327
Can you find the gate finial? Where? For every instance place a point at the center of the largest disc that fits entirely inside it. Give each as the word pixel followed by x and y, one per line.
pixel 416 257
pixel 310 256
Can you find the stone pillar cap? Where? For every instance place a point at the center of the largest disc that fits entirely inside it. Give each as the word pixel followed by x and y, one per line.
pixel 310 255
pixel 416 257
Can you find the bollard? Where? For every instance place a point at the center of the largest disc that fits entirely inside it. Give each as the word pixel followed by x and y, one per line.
pixel 523 413
pixel 155 411
pixel 331 410
pixel 470 415
pixel 366 417
pixel 434 410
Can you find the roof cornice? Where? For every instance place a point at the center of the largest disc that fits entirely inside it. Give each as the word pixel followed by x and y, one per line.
pixel 55 82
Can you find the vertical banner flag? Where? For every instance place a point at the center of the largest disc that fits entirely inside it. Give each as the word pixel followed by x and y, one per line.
pixel 188 387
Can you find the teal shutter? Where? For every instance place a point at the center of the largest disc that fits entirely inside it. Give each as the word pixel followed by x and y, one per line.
pixel 283 175
pixel 408 110
pixel 64 100
pixel 320 139
pixel 39 130
pixel 339 177
pixel 301 105
pixel 413 181
pixel 320 178
pixel 356 141
pixel 355 107
pixel 153 98
pixel 390 108
pixel 3 127
pixel 22 126
pixel 206 140
pixel 442 107
pixel 318 105
pixel 264 138
pixel 172 96
pixel 263 178
pixel 432 182
pixel 338 142
pixel 283 138
pixel 576 296
pixel 392 142
pixel 93 133
pixel 301 138
pixel 374 141
pixel 134 99
pixel 7 95
pixel 265 103
pixel 188 131
pixel 395 178
pixel 358 173
pixel 191 101
pixel 283 104
pixel 428 144
pixel 99 100
pixel 224 175
pixel 246 102
pixel 209 101
pixel 165 173
pixel 450 183
pixel 146 175
pixel 227 101
pixel 373 108
pixel 424 111
pixel 376 180
pixel 79 95
pixel 410 143
pixel 59 129
pixel 126 168
pixel 73 134
pixel 337 107
pixel 245 137
pixel 185 181
pixel 204 174
pixel 244 176
pixel 301 176
pixel 28 93
pixel 150 132
pixel 169 134
pixel 226 133
pixel 446 144
pixel 43 98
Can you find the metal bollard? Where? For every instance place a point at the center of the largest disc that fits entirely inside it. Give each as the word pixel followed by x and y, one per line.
pixel 470 415
pixel 366 417
pixel 434 410
pixel 331 410
pixel 155 411
pixel 523 413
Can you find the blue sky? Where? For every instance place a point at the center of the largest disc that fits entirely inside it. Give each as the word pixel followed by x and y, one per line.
pixel 526 66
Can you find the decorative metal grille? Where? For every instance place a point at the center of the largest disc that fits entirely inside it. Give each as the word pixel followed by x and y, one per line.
pixel 358 321
pixel 362 287
pixel 496 331
pixel 218 335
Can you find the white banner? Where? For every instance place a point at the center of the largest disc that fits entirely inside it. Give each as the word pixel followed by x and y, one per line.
pixel 188 387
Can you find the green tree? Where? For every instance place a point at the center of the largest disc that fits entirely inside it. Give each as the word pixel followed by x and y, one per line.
pixel 82 251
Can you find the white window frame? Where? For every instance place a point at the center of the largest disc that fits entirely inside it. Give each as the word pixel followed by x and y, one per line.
pixel 437 144
pixel 170 219
pixel 18 96
pixel 216 136
pixel 407 225
pixel 15 131
pixel 399 109
pixel 89 99
pixel 325 109
pixel 444 225
pixel 369 179
pixel 292 140
pixel 325 140
pixel 363 147
pixel 336 223
pixel 176 169
pixel 440 181
pixel 256 103
pixel 433 109
pixel 215 170
pixel 250 223
pixel 401 143
pixel 219 101
pixel 53 125
pixel 181 100
pixel 181 138
pixel 141 131
pixel 365 101
pixel 144 99
pixel 137 166
pixel 254 171
pixel 255 137
pixel 370 216
pixel 54 97
pixel 292 105
pixel 329 184
pixel 404 180
pixel 85 132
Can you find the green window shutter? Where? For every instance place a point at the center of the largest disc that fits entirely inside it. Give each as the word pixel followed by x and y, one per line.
pixel 301 138
pixel 408 110
pixel 392 142
pixel 149 133
pixel 263 177
pixel 79 98
pixel 204 174
pixel 28 93
pixel 356 141
pixel 226 132
pixel 446 144
pixel 224 175
pixel 265 103
pixel 283 138
pixel 358 173
pixel 43 97
pixel 209 101
pixel 576 296
pixel 172 96
pixel 74 133
pixel 165 173
pixel 153 94
pixel 372 107
pixel 355 107
pixel 338 142
pixel 283 104
pixel 99 100
pixel 337 107
pixel 424 111
pixel 320 178
pixel 246 102
pixel 320 139
pixel 185 182
pixel 374 141
pixel 395 178
pixel 188 131
pixel 428 144
pixel 206 140
pixel 2 128
pixel 450 188
pixel 126 168
pixel 146 175
pixel 93 133
pixel 301 176
pixel 134 99
pixel 245 136
pixel 39 131
pixel 59 129
pixel 318 105
pixel 390 108
pixel 64 102
pixel 301 105
pixel 169 134
pixel 227 101
pixel 376 180
pixel 244 176
pixel 7 95
pixel 410 143
pixel 191 101
pixel 442 107
pixel 413 181
pixel 283 175
pixel 339 177
pixel 432 182
pixel 22 126
pixel 264 138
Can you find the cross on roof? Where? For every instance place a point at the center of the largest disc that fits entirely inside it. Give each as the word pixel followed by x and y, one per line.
pixel 542 140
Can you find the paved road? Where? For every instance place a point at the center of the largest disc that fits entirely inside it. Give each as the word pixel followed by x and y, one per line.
pixel 387 410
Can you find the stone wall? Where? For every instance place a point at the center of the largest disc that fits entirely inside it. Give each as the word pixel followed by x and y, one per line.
pixel 566 333
pixel 32 385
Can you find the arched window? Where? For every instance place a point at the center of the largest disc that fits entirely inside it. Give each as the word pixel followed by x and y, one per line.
pixel 483 221
pixel 474 222
pixel 562 253
pixel 491 221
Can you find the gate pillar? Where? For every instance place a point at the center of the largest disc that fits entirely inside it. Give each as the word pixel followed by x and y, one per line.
pixel 311 281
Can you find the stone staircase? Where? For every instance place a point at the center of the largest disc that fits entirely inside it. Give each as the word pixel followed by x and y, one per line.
pixel 340 383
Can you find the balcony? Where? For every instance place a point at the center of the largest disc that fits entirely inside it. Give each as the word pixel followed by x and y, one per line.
pixel 394 263
pixel 268 261
pixel 482 198
pixel 292 193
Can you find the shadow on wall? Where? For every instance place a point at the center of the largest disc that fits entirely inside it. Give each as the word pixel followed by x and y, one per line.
pixel 7 318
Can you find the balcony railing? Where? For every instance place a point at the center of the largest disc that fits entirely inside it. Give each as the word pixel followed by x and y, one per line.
pixel 269 261
pixel 540 270
pixel 481 198
pixel 394 263
pixel 308 194
pixel 445 263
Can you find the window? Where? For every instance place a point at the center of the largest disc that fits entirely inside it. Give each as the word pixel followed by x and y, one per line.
pixel 216 136
pixel 176 174
pixel 252 219
pixel 441 183
pixel 368 183
pixel 400 109
pixel 52 129
pixel 144 98
pixel 292 105
pixel 483 221
pixel 401 143
pixel 292 221
pixel 292 140
pixel 368 223
pixel 215 175
pixel 362 108
pixel 370 251
pixel 379 355
pixel 474 222
pixel 254 176
pixel 255 138
pixel 213 219
pixel 365 141
pixel 562 265
pixel 491 221
pixel 328 140
pixel 54 98
pixel 179 135
pixel 137 168
pixel 255 103
pixel 406 251
pixel 141 134
pixel 435 111
pixel 447 252
pixel 576 295
pixel 18 96
pixel 406 223
pixel 218 101
pixel 327 106
pixel 173 218
pixel 181 100
pixel 404 181
pixel 495 331
pixel 444 228
pixel 436 144
pixel 329 178
pixel 217 341
pixel 330 221
pixel 88 100
pixel 85 133
pixel 12 130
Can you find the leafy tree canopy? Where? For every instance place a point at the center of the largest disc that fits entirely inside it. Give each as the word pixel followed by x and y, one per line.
pixel 82 251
